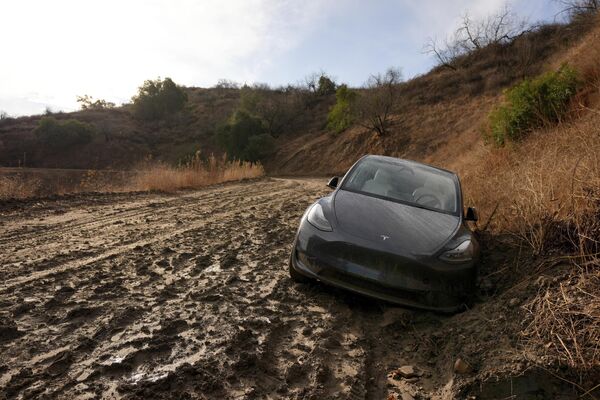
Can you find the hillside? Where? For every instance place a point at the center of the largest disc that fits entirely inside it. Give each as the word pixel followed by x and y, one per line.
pixel 439 108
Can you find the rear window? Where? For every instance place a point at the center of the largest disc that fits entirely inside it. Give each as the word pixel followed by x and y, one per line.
pixel 408 183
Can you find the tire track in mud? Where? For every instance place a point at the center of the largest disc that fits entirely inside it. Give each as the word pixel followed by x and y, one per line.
pixel 97 222
pixel 137 208
pixel 201 308
pixel 115 248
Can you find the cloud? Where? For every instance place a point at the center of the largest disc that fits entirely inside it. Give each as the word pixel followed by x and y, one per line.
pixel 56 50
pixel 106 49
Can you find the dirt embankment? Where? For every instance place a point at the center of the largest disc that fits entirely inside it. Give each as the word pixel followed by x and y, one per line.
pixel 187 296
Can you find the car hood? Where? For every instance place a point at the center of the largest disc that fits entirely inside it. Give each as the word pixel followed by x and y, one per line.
pixel 393 226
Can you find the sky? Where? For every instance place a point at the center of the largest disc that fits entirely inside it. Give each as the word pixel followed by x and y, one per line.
pixel 53 51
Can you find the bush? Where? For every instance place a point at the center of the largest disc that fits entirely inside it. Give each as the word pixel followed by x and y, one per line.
pixel 277 108
pixel 62 134
pixel 326 86
pixel 259 147
pixel 340 117
pixel 157 99
pixel 88 103
pixel 532 104
pixel 234 136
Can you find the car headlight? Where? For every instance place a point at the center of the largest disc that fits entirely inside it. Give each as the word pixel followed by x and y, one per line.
pixel 462 253
pixel 317 218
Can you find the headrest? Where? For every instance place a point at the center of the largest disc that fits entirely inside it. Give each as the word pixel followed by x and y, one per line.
pixel 382 175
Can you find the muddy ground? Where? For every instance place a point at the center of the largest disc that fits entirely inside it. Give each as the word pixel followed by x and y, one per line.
pixel 187 296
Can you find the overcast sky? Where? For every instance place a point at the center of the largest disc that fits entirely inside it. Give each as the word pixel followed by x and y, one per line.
pixel 55 50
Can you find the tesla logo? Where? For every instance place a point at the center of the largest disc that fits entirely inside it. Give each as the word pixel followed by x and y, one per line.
pixel 384 237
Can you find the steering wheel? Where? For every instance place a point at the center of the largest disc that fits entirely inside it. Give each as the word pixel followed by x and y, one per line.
pixel 428 200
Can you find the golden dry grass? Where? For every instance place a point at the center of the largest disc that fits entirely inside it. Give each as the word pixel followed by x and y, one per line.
pixel 544 192
pixel 195 174
pixel 17 187
pixel 147 176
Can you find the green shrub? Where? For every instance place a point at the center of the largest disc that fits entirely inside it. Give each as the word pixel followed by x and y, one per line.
pixel 234 136
pixel 259 147
pixel 340 116
pixel 326 86
pixel 532 104
pixel 157 99
pixel 63 134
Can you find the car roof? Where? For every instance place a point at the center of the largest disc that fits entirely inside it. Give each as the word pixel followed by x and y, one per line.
pixel 405 161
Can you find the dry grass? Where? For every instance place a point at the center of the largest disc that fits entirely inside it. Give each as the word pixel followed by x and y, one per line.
pixel 195 174
pixel 148 176
pixel 544 193
pixel 17 187
pixel 565 319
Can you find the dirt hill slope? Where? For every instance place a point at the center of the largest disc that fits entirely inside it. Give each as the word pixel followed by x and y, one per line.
pixel 442 109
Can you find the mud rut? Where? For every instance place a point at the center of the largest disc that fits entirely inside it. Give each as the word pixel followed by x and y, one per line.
pixel 187 295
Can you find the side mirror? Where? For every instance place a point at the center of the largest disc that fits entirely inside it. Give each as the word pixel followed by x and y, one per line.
pixel 471 214
pixel 333 182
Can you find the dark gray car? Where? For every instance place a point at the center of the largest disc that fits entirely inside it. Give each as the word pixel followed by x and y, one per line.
pixel 392 229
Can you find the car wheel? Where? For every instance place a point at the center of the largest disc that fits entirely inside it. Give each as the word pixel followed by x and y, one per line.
pixel 295 275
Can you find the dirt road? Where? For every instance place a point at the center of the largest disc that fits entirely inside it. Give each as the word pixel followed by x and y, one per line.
pixel 187 295
pixel 150 295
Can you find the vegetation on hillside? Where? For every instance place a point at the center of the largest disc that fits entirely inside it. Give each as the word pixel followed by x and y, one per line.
pixel 341 116
pixel 533 103
pixel 60 134
pixel 87 102
pixel 243 135
pixel 157 99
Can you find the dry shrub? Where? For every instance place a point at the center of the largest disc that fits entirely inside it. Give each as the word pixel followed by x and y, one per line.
pixel 148 176
pixel 564 319
pixel 194 174
pixel 547 189
pixel 17 187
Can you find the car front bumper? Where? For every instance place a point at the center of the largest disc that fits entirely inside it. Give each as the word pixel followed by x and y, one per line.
pixel 421 282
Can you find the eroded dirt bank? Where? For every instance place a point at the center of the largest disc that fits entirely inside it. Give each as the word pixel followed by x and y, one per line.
pixel 188 296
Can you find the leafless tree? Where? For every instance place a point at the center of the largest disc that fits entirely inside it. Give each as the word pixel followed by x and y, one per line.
pixel 474 34
pixel 227 84
pixel 577 7
pixel 376 104
pixel 445 53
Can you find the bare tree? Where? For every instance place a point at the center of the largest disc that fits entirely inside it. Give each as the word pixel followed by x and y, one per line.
pixel 376 104
pixel 474 34
pixel 226 84
pixel 578 7
pixel 445 53
pixel 500 27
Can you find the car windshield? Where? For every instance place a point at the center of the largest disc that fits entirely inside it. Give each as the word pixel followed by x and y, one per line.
pixel 409 183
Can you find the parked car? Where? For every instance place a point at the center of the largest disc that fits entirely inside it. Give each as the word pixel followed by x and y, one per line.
pixel 392 229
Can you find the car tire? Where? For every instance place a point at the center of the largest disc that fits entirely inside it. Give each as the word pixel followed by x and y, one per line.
pixel 295 275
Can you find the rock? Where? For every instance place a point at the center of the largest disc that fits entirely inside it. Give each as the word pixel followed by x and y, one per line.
pixel 462 367
pixel 514 302
pixel 406 372
pixel 407 396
